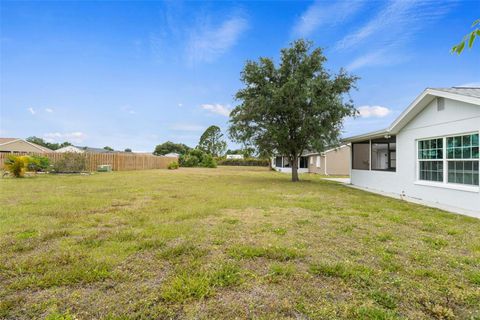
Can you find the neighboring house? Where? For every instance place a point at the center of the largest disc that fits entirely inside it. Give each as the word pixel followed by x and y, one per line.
pixel 15 145
pixel 70 149
pixel 172 155
pixel 429 153
pixel 334 161
pixel 78 149
pixel 234 156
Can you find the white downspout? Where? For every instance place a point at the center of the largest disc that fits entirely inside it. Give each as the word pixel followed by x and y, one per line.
pixel 370 155
pixel 325 169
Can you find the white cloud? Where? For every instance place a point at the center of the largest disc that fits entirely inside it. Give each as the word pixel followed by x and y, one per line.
pixel 49 110
pixel 373 111
pixel 217 109
pixel 207 43
pixel 381 57
pixel 31 110
pixel 398 21
pixel 187 127
pixel 322 13
pixel 128 110
pixel 75 137
pixel 180 104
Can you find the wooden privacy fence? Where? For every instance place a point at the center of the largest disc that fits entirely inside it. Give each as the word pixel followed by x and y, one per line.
pixel 118 161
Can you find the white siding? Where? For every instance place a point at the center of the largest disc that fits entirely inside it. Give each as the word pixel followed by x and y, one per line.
pixel 457 118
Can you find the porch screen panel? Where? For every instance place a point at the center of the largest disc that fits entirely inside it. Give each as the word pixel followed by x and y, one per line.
pixel 278 162
pixel 360 155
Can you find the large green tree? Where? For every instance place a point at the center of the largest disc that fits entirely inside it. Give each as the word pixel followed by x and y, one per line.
pixel 212 141
pixel 293 107
pixel 169 147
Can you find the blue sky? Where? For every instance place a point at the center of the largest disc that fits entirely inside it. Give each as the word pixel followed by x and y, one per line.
pixel 135 74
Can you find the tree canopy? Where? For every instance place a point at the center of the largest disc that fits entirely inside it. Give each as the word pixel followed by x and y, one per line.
pixel 294 107
pixel 212 141
pixel 49 145
pixel 171 147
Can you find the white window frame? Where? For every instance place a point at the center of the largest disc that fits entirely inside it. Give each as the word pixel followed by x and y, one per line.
pixel 444 183
pixel 318 161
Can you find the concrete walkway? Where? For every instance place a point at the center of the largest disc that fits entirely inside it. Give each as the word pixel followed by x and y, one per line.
pixel 341 180
pixel 474 214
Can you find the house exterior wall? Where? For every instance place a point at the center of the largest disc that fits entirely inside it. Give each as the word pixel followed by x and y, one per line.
pixel 456 118
pixel 287 169
pixel 312 164
pixel 19 146
pixel 338 161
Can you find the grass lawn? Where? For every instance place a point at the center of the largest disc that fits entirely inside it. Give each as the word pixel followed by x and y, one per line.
pixel 228 243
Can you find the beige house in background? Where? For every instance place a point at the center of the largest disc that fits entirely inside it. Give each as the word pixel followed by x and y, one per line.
pixel 335 161
pixel 15 145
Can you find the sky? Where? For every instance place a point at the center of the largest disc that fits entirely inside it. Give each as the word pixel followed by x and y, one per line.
pixel 134 74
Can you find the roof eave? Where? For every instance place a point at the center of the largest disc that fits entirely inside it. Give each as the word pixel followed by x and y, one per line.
pixel 367 136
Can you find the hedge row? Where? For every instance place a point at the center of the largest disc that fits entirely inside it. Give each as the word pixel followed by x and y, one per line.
pixel 244 162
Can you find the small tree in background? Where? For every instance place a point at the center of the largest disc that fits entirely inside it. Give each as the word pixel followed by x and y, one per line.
pixel 212 141
pixel 108 148
pixel 17 165
pixel 49 145
pixel 128 150
pixel 293 107
pixel 170 147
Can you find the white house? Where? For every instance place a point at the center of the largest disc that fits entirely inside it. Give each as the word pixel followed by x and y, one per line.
pixel 429 153
pixel 172 155
pixel 70 149
pixel 234 156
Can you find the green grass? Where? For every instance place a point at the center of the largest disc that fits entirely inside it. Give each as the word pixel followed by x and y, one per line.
pixel 228 243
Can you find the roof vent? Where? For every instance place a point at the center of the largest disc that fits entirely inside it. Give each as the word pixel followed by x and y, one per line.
pixel 440 104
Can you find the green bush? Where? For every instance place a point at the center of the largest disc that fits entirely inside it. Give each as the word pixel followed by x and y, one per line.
pixel 244 162
pixel 197 158
pixel 173 165
pixel 70 163
pixel 208 162
pixel 38 163
pixel 17 165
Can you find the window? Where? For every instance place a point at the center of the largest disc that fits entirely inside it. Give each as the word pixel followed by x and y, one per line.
pixel 311 160
pixel 303 162
pixel 430 156
pixel 318 161
pixel 462 158
pixel 384 156
pixel 360 155
pixel 278 162
pixel 453 160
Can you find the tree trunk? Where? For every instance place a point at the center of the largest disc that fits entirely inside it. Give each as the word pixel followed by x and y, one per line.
pixel 294 161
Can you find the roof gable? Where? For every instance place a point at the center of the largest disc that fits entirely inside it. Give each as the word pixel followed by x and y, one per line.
pixel 467 95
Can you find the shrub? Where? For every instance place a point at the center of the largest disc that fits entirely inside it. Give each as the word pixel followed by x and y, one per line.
pixel 173 165
pixel 70 163
pixel 208 162
pixel 17 165
pixel 38 163
pixel 197 158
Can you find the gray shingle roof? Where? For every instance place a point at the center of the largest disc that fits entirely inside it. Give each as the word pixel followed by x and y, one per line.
pixel 466 91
